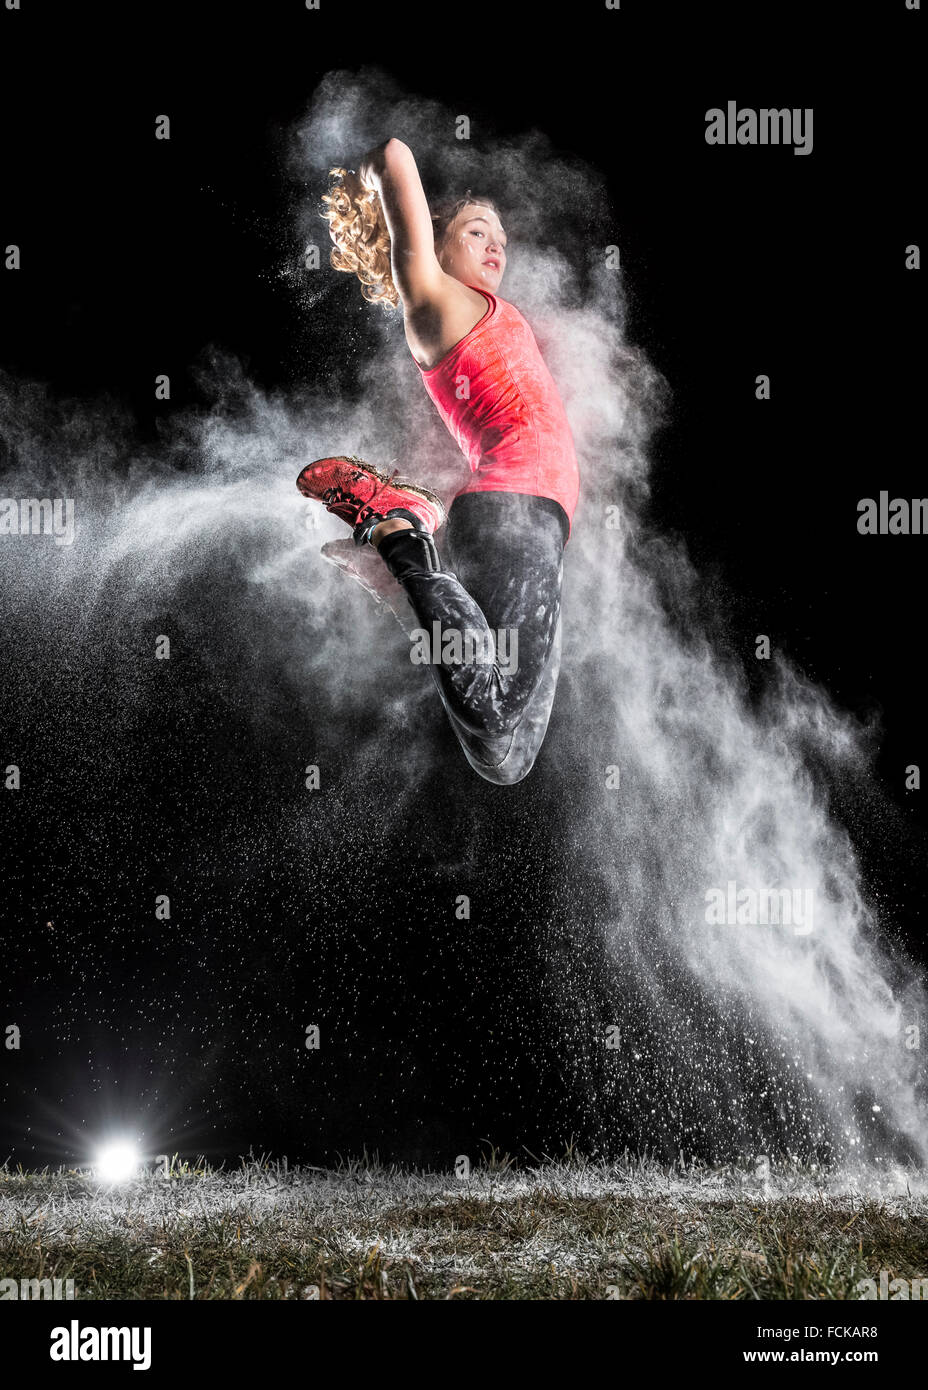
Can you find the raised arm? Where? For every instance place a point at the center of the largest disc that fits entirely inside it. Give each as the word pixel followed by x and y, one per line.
pixel 391 170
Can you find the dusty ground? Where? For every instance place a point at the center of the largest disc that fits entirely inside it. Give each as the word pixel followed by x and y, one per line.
pixel 571 1230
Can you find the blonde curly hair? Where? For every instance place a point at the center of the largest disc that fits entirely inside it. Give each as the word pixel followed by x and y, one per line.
pixel 362 241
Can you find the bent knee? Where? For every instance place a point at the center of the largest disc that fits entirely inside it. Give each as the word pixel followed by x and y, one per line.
pixel 505 776
pixel 505 771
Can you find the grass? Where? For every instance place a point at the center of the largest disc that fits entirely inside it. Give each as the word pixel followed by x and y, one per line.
pixel 564 1230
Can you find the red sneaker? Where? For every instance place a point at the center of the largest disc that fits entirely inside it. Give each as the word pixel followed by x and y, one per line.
pixel 351 489
pixel 365 567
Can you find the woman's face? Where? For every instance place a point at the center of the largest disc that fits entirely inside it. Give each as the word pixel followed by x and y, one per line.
pixel 474 248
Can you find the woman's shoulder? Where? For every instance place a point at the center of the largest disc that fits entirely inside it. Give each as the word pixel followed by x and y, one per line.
pixel 449 319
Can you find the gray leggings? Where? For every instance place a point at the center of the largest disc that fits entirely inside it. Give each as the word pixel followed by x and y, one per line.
pixel 505 550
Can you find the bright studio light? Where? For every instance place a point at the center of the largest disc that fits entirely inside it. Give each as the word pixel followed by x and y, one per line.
pixel 117 1162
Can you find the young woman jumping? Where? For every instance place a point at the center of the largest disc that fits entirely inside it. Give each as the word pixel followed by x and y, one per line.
pixel 507 529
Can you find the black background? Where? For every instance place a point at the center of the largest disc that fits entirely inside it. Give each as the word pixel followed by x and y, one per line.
pixel 737 262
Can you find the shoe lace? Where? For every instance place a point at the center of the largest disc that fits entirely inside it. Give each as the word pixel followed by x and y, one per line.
pixel 382 484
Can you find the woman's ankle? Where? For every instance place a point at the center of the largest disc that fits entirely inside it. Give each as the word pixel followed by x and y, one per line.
pixel 384 528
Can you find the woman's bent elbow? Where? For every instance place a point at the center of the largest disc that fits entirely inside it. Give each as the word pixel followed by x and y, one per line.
pixel 395 149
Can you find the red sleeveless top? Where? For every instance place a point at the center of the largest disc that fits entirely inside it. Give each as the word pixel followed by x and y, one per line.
pixel 499 401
